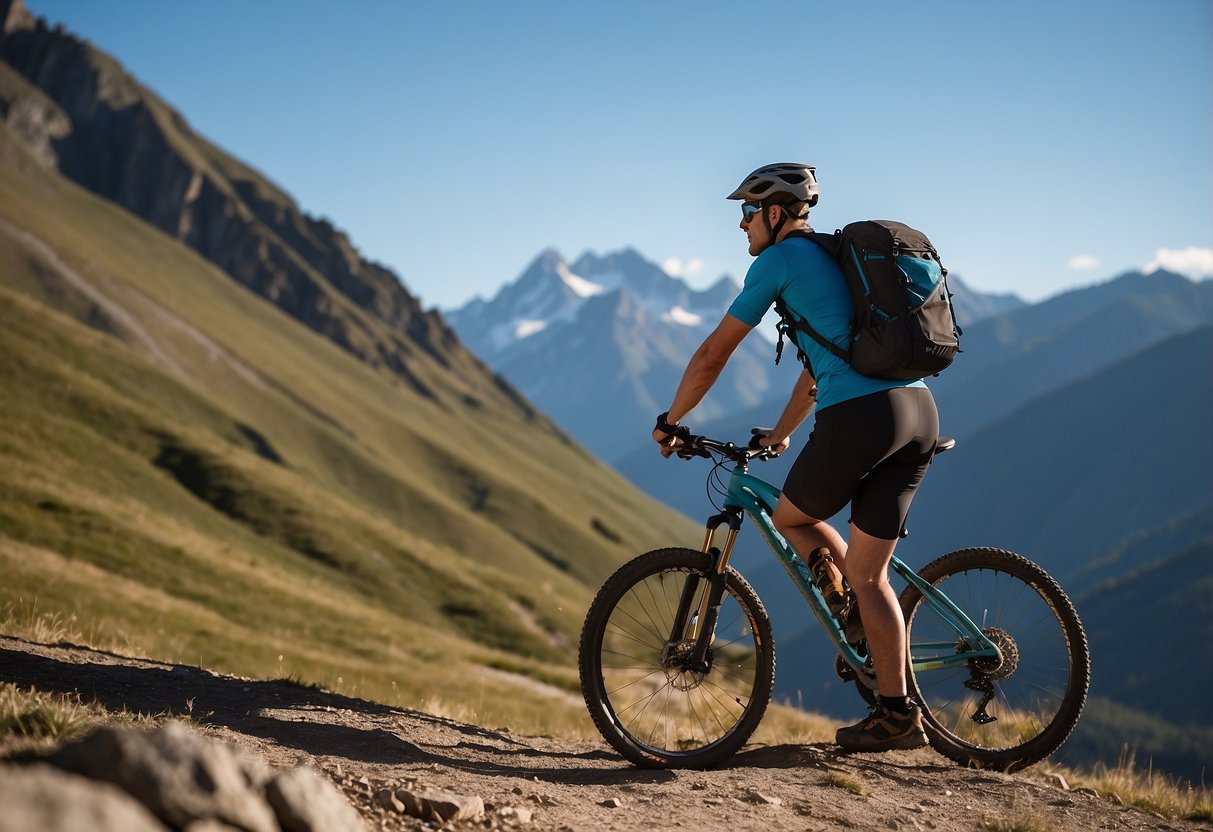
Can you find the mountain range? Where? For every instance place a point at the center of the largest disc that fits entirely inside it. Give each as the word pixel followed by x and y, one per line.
pixel 600 344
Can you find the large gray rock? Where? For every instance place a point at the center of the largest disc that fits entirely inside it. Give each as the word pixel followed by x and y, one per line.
pixel 306 802
pixel 43 798
pixel 178 774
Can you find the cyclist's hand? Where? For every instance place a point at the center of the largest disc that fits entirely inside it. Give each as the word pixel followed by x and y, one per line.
pixel 669 443
pixel 765 438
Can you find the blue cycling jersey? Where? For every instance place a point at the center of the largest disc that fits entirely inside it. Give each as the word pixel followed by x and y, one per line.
pixel 812 286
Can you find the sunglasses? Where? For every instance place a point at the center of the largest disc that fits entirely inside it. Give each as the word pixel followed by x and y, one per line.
pixel 749 209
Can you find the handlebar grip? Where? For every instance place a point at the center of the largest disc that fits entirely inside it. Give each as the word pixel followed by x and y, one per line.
pixel 754 434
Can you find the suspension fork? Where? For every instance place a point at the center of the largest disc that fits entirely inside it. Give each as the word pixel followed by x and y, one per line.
pixel 702 626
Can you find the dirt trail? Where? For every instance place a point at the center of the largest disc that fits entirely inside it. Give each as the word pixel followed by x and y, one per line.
pixel 563 784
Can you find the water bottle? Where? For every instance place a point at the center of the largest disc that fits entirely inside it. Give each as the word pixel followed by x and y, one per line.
pixel 828 579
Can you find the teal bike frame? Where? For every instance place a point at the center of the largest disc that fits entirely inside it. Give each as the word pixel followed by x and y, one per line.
pixel 757 498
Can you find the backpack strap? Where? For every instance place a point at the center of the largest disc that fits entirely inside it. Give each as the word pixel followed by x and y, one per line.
pixel 789 322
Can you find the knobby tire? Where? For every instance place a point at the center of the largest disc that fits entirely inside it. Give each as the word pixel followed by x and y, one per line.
pixel 1040 700
pixel 656 716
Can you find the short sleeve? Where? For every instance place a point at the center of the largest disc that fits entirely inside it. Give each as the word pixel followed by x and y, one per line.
pixel 763 283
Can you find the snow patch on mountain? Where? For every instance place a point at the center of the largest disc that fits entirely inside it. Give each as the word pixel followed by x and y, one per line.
pixel 678 315
pixel 581 287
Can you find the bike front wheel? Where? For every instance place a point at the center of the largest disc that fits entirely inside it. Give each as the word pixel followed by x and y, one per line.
pixel 646 699
pixel 1011 712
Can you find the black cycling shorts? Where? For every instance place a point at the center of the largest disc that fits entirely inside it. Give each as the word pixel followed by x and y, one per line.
pixel 871 452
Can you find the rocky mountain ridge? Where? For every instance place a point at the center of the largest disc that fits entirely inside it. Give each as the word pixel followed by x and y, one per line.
pixel 599 344
pixel 78 111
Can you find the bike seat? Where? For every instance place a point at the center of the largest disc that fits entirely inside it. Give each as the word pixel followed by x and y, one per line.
pixel 944 443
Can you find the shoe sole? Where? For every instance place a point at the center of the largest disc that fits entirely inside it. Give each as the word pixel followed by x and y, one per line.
pixel 906 742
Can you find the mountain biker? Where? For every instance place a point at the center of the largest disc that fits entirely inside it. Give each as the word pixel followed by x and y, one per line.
pixel 871 442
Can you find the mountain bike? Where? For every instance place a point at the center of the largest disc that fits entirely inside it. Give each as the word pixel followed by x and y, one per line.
pixel 677 660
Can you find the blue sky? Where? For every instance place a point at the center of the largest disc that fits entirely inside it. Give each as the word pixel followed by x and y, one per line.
pixel 1041 145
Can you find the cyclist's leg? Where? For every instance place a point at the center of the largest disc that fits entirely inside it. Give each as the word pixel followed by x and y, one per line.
pixel 879 511
pixel 805 532
pixel 866 569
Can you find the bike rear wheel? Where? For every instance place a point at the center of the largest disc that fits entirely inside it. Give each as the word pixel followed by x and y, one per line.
pixel 649 705
pixel 1010 714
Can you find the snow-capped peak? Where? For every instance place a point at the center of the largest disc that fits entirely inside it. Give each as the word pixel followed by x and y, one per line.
pixel 579 286
pixel 551 294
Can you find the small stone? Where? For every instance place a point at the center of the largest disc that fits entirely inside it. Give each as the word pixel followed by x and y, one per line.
pixel 304 801
pixel 759 797
pixel 516 790
pixel 1060 782
pixel 1087 791
pixel 523 815
pixel 388 800
pixel 612 803
pixel 448 806
pixel 413 804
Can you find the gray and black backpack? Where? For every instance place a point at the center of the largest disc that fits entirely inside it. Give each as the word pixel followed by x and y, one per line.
pixel 904 327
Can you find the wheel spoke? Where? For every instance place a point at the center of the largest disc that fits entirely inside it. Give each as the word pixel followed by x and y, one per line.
pixel 1032 690
pixel 654 700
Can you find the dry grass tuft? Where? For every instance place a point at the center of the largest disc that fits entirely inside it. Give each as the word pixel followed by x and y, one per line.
pixel 1021 824
pixel 845 781
pixel 34 715
pixel 1146 789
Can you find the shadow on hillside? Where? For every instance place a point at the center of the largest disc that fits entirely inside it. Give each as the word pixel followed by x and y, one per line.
pixel 326 724
pixel 291 715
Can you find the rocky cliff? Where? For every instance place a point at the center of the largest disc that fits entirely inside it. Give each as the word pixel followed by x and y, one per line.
pixel 77 110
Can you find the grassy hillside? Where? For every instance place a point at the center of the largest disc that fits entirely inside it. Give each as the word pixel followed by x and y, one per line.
pixel 187 472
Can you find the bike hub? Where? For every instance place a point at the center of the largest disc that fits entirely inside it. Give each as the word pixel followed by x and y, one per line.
pixel 677 659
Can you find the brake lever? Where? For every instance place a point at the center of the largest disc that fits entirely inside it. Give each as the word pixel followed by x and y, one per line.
pixel 691 448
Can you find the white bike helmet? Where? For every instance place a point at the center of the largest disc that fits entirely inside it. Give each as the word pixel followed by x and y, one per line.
pixel 797 180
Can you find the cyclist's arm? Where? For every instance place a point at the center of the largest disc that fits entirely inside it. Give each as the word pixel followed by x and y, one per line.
pixel 705 366
pixel 800 404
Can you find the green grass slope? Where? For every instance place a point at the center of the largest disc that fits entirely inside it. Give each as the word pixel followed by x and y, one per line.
pixel 188 472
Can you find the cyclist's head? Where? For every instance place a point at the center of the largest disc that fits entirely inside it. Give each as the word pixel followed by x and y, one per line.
pixel 780 184
pixel 790 185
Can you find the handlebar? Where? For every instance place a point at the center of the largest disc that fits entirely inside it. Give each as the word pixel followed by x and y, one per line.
pixel 702 446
